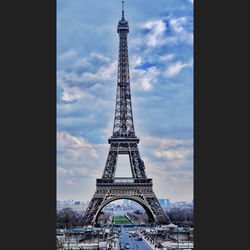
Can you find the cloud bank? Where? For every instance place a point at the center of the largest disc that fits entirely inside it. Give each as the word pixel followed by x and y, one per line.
pixel 160 46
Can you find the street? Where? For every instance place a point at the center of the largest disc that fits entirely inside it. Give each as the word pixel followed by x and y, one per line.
pixel 134 243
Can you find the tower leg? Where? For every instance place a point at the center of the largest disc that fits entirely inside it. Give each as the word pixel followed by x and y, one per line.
pixel 158 211
pixel 88 216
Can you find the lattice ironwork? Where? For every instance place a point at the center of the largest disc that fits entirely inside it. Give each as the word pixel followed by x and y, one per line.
pixel 143 195
pixel 123 122
pixel 124 141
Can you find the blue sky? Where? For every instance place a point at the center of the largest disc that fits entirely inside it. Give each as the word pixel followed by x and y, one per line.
pixel 160 46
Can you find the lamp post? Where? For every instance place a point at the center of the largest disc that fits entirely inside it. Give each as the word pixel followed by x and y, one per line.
pixel 178 237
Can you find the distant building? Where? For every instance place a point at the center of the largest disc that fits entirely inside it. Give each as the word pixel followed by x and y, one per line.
pixel 133 203
pixel 126 202
pixel 182 204
pixel 162 202
pixel 118 210
pixel 165 203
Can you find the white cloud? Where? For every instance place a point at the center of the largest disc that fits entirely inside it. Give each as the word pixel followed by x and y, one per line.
pixel 70 182
pixel 71 94
pixel 169 162
pixel 64 77
pixel 173 151
pixel 79 164
pixel 177 24
pixel 135 61
pixel 156 34
pixel 86 61
pixel 78 157
pixel 182 27
pixel 75 146
pixel 68 55
pixel 78 172
pixel 173 154
pixel 61 171
pixel 81 62
pixel 106 72
pixel 144 79
pixel 174 69
pixel 108 130
pixel 83 171
pixel 100 57
pixel 171 166
pixel 191 62
pixel 163 142
pixel 167 57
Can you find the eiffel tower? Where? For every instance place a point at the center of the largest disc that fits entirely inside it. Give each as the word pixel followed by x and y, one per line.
pixel 124 141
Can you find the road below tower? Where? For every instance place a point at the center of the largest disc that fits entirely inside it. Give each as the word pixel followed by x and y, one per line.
pixel 133 242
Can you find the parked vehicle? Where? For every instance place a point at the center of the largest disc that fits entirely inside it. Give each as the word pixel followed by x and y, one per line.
pixel 127 246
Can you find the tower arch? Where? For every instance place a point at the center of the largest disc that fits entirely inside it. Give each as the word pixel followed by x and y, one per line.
pixel 151 218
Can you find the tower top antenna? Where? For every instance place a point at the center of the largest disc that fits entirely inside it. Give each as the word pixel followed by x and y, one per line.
pixel 122 9
pixel 123 23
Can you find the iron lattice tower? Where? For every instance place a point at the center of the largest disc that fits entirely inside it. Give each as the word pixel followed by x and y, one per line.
pixel 124 141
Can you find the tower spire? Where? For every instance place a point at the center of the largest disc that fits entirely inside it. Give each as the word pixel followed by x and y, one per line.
pixel 123 123
pixel 122 10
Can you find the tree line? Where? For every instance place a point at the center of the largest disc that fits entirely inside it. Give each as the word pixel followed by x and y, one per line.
pixel 68 218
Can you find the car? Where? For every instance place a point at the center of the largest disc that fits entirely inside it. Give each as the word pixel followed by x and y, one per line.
pixel 127 246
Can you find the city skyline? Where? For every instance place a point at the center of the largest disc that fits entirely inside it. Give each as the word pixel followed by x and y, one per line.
pixel 119 201
pixel 161 68
pixel 126 204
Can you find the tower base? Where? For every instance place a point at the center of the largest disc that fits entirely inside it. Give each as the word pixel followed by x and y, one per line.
pixel 138 190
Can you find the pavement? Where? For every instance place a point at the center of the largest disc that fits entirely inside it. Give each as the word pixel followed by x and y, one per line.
pixel 134 243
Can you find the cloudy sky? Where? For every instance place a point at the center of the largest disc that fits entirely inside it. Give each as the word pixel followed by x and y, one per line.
pixel 160 46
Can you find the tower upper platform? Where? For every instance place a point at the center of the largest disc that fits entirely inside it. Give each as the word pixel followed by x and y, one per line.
pixel 123 23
